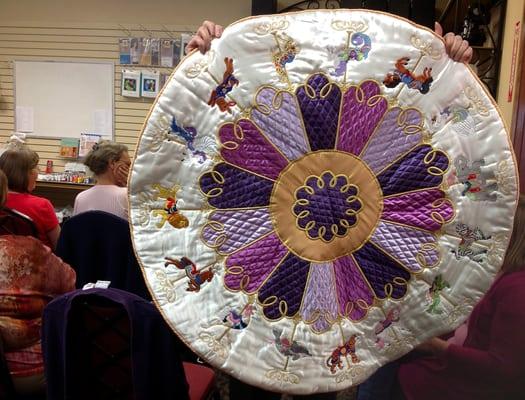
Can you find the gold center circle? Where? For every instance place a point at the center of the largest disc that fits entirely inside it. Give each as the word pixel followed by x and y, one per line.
pixel 316 164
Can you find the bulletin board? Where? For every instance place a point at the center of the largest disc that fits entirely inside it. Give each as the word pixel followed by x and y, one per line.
pixel 57 99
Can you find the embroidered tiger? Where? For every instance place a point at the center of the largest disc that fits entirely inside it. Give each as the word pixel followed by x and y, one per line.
pixel 347 349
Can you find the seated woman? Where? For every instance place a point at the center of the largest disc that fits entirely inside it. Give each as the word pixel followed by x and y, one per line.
pixel 11 221
pixel 30 275
pixel 110 163
pixel 21 168
pixel 490 364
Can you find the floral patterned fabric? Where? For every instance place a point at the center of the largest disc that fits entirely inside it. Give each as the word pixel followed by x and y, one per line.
pixel 30 276
pixel 318 198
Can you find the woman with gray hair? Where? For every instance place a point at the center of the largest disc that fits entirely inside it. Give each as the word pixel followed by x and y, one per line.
pixel 110 163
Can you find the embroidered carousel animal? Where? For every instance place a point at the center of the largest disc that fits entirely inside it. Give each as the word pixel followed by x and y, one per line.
pixel 362 45
pixel 170 213
pixel 187 135
pixel 336 358
pixel 289 348
pixel 285 54
pixel 196 278
pixel 468 237
pixel 391 317
pixel 474 180
pixel 237 320
pixel 229 81
pixel 434 294
pixel 402 75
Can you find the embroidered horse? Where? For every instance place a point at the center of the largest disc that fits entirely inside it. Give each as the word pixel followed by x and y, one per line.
pixel 474 180
pixel 468 237
pixel 284 55
pixel 347 349
pixel 402 75
pixel 196 278
pixel 187 135
pixel 237 320
pixel 218 95
pixel 362 45
pixel 170 213
pixel 434 294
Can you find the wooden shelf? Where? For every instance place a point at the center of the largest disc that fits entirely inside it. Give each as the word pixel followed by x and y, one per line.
pixel 63 185
pixel 60 194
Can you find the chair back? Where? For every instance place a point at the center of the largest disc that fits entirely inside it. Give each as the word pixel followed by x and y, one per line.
pixel 102 328
pixel 13 222
pixel 109 344
pixel 98 246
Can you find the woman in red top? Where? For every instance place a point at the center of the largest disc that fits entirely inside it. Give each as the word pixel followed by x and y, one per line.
pixel 30 276
pixel 21 169
pixel 491 362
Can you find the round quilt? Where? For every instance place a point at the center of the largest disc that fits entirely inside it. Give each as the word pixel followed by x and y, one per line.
pixel 318 194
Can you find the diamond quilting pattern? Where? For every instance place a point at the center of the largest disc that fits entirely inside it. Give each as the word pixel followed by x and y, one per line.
pixel 363 107
pixel 404 244
pixel 322 276
pixel 248 268
pixel 352 290
pixel 380 271
pixel 422 168
pixel 227 231
pixel 319 101
pixel 417 208
pixel 390 140
pixel 319 297
pixel 230 187
pixel 244 146
pixel 279 119
pixel 287 284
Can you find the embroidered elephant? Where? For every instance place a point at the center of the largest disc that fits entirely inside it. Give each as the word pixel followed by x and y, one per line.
pixel 474 180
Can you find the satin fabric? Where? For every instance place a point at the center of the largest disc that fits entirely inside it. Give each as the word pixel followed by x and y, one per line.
pixel 208 118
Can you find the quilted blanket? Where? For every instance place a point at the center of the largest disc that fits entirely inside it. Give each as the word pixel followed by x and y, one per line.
pixel 318 194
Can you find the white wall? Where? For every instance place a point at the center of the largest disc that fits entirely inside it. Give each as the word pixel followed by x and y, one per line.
pixel 188 13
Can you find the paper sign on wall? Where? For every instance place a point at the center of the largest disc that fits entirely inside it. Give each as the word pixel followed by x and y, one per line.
pixel 24 119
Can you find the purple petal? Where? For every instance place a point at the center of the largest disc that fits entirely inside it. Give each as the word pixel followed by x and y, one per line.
pixel 363 108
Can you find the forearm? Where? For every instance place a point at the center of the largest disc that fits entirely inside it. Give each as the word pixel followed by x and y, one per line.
pixel 475 363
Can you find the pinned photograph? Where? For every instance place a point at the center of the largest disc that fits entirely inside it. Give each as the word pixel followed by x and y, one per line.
pixel 134 50
pixel 131 83
pixel 145 51
pixel 155 52
pixel 124 49
pixel 166 52
pixel 184 39
pixel 150 84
